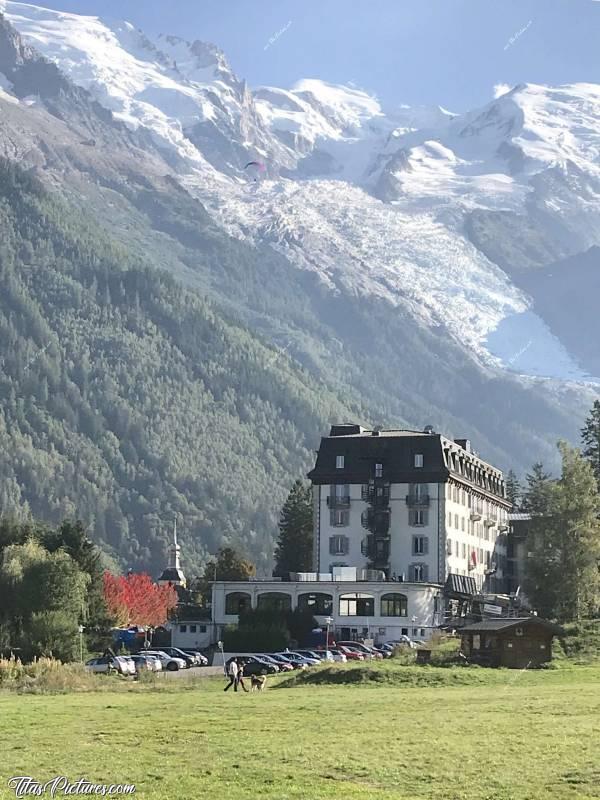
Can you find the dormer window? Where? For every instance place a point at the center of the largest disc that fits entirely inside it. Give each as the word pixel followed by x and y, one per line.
pixel 418 460
pixel 339 462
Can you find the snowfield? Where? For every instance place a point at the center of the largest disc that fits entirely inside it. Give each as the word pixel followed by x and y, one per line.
pixel 374 201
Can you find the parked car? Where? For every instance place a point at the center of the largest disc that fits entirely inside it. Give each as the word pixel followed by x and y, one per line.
pixel 403 640
pixel 175 652
pixel 146 663
pixel 283 665
pixel 312 662
pixel 127 665
pixel 253 665
pixel 170 663
pixel 287 658
pixel 385 653
pixel 121 665
pixel 202 659
pixel 360 648
pixel 322 655
pixel 103 665
pixel 301 660
pixel 350 653
pixel 338 655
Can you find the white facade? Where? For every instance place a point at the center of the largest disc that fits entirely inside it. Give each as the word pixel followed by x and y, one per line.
pixel 435 529
pixel 191 633
pixel 381 610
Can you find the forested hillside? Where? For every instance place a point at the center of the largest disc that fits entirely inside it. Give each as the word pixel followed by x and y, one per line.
pixel 126 399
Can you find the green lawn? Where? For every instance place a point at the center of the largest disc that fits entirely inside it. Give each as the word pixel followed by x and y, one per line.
pixel 519 735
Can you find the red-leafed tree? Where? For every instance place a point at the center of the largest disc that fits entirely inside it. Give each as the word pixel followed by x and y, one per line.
pixel 135 600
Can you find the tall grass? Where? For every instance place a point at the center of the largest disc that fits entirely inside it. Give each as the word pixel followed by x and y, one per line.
pixel 47 676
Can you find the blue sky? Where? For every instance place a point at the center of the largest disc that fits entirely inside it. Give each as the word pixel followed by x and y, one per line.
pixel 450 52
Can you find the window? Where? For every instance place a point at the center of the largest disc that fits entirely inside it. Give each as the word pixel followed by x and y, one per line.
pixel 394 605
pixel 338 545
pixel 341 491
pixel 456 546
pixel 449 547
pixel 379 470
pixel 456 521
pixel 415 632
pixel 275 601
pixel 316 602
pixel 404 631
pixel 418 460
pixel 449 519
pixel 420 545
pixel 357 605
pixel 339 517
pixel 418 572
pixel 202 628
pixel 237 602
pixel 192 629
pixel 462 524
pixel 464 550
pixel 183 629
pixel 339 462
pixel 422 632
pixel 417 517
pixel 420 491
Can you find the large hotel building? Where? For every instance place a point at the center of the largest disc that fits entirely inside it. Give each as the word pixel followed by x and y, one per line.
pixel 413 505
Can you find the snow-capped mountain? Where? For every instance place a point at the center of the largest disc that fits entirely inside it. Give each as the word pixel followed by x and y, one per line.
pixel 433 212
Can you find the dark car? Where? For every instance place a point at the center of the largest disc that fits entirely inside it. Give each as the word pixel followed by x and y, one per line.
pixel 175 652
pixel 255 666
pixel 201 658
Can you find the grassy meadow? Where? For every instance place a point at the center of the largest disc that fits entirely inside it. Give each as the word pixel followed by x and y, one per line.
pixel 399 732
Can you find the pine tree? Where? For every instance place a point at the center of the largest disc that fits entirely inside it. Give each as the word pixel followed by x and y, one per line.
pixel 294 549
pixel 513 489
pixel 578 523
pixel 562 575
pixel 542 572
pixel 536 497
pixel 590 437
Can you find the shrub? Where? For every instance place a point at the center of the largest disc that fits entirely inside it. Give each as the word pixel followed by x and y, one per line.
pixel 46 675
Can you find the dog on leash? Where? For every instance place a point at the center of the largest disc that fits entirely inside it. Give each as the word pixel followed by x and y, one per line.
pixel 257 683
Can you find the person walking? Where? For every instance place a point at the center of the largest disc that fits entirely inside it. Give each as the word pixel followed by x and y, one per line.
pixel 240 676
pixel 232 674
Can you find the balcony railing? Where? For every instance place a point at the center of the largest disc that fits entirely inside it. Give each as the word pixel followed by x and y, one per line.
pixel 421 500
pixel 336 501
pixel 475 515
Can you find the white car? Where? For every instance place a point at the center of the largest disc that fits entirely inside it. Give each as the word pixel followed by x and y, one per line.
pixel 146 663
pixel 170 663
pixel 338 655
pixel 106 664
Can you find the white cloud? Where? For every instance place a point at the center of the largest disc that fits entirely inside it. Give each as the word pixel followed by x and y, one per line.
pixel 500 89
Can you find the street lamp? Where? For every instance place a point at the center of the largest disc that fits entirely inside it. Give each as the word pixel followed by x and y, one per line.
pixel 220 646
pixel 328 622
pixel 81 630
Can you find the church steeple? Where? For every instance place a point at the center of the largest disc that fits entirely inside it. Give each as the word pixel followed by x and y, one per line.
pixel 173 573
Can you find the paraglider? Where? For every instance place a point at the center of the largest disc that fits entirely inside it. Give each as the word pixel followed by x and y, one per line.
pixel 255 169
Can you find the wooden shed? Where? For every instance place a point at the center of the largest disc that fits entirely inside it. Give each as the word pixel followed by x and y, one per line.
pixel 509 642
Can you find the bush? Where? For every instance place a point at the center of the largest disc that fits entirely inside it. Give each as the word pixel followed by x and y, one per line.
pixel 262 637
pixel 46 675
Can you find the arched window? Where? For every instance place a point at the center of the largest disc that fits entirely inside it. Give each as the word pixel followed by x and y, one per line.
pixel 394 605
pixel 275 601
pixel 237 602
pixel 357 605
pixel 316 602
